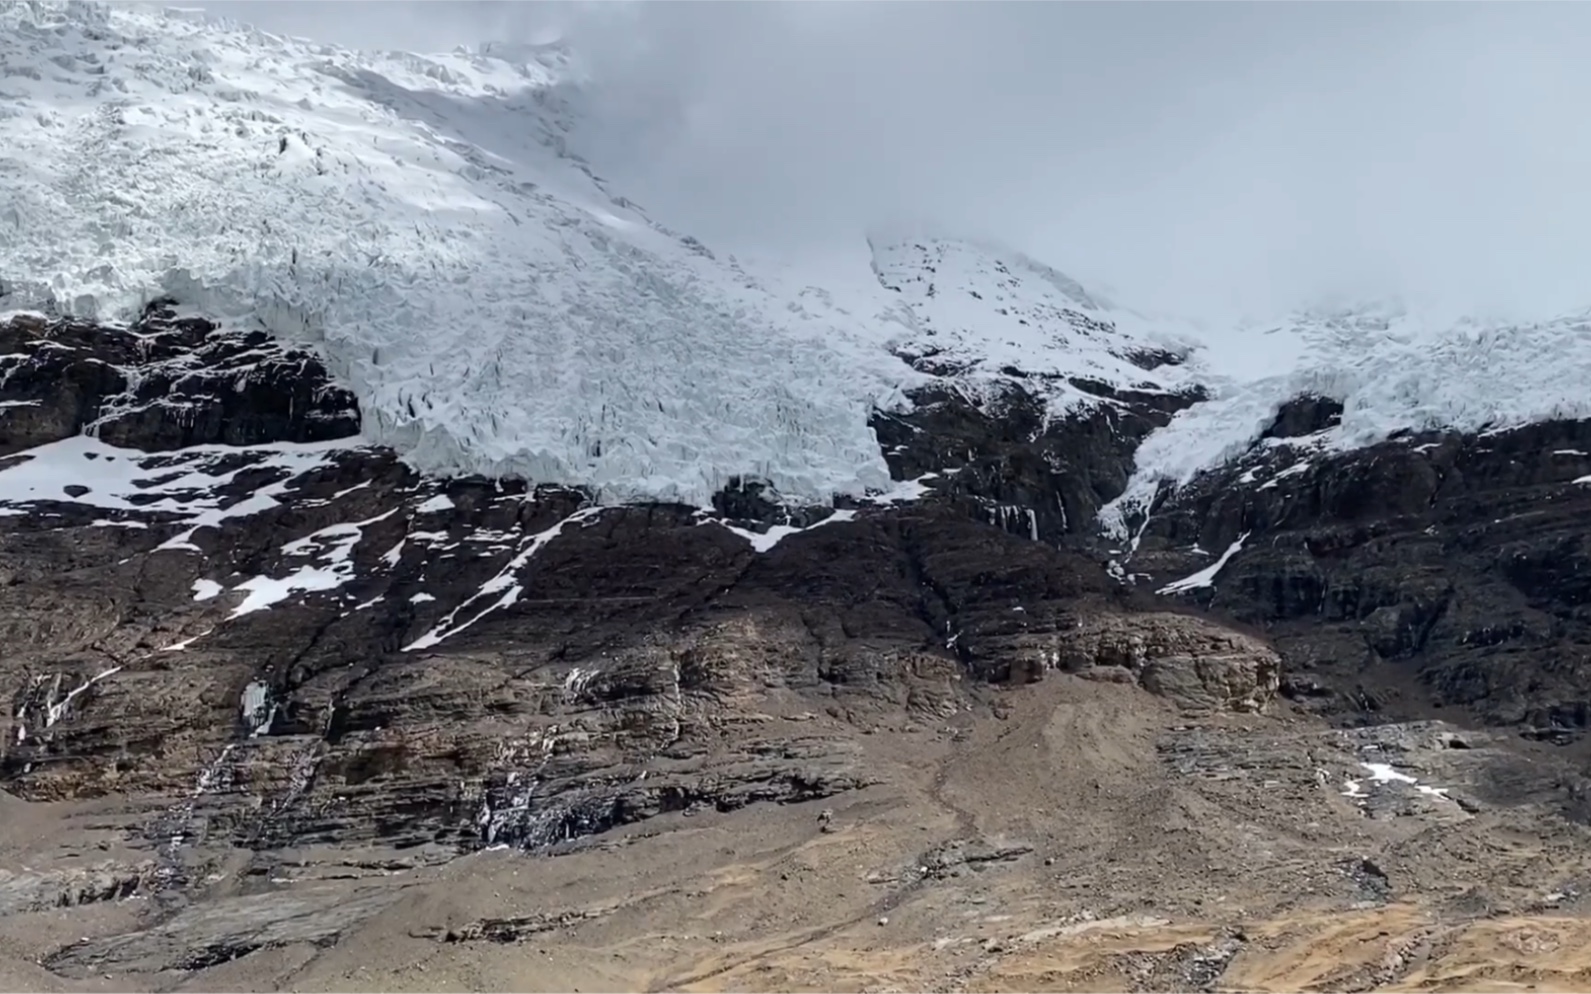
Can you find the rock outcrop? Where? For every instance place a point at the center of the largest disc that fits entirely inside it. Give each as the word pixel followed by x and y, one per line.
pixel 312 644
pixel 1199 665
pixel 166 382
pixel 297 641
pixel 1432 571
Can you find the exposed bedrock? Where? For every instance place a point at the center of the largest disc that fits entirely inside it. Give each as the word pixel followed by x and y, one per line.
pixel 330 650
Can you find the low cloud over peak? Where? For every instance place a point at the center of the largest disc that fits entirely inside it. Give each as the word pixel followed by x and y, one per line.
pixel 1205 158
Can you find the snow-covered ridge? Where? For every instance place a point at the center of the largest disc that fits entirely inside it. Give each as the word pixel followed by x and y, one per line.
pixel 421 220
pixel 1392 370
pixel 989 313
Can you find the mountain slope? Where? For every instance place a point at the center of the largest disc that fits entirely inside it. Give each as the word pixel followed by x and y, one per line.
pixel 496 309
pixel 978 309
pixel 273 700
pixel 422 221
pixel 493 308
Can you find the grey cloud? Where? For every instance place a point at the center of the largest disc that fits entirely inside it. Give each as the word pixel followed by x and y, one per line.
pixel 1200 158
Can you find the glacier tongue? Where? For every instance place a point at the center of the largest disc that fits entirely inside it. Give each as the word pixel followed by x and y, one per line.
pixel 422 221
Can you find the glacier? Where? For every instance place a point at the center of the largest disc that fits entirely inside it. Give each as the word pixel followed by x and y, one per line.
pixel 426 223
pixel 421 220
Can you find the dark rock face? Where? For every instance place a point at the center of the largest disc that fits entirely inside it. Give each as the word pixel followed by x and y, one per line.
pixel 1428 572
pixel 166 382
pixel 354 653
pixel 1016 468
pixel 1304 416
pixel 275 655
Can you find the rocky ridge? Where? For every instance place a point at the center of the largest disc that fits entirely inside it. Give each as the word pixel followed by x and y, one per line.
pixel 1433 573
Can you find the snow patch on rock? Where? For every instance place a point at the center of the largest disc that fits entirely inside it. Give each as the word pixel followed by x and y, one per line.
pixel 194 486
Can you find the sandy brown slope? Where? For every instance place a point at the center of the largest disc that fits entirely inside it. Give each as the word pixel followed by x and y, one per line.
pixel 1089 838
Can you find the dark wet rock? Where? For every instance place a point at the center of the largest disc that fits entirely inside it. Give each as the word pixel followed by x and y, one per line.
pixel 1430 571
pixel 164 382
pixel 757 506
pixel 1305 416
pixel 1013 466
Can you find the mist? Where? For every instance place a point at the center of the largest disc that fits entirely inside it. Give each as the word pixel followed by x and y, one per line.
pixel 1213 160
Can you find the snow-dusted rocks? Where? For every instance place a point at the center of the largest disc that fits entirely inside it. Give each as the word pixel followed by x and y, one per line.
pixel 494 308
pixel 162 383
pixel 1386 370
pixel 426 223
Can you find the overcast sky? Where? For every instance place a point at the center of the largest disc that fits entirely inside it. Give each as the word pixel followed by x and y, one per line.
pixel 1194 157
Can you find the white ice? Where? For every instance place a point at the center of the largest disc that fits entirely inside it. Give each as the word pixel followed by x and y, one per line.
pixel 58 710
pixel 1386 773
pixel 256 708
pixel 764 541
pixel 183 644
pixel 1392 370
pixel 331 546
pixel 422 219
pixel 441 502
pixel 505 584
pixel 1296 469
pixel 984 308
pixel 1205 577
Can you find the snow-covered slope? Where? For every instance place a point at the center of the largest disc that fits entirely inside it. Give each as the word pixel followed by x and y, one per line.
pixel 986 314
pixel 495 309
pixel 492 306
pixel 1392 370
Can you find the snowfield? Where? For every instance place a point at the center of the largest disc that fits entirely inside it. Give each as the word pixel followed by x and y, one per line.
pixel 497 310
pixel 978 309
pixel 422 221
